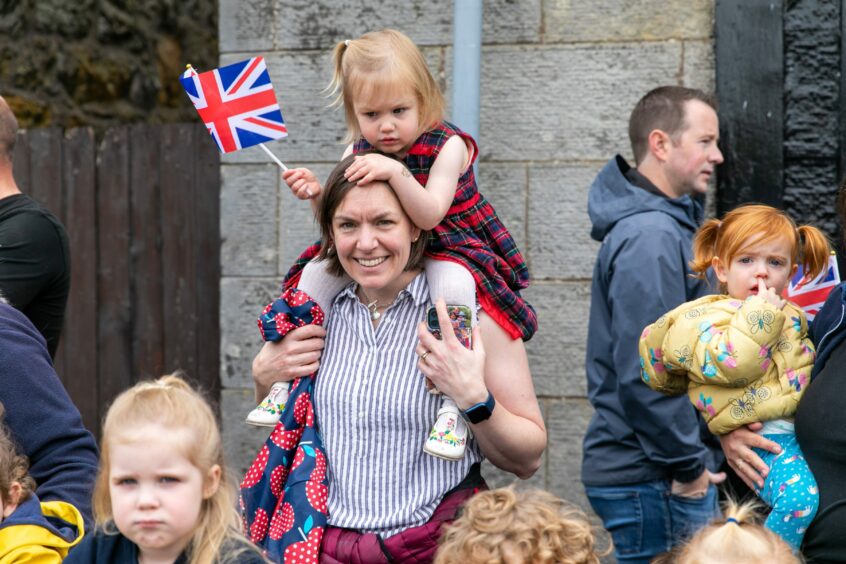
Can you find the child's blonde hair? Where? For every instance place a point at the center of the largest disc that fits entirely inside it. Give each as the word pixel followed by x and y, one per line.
pixel 172 403
pixel 385 61
pixel 737 538
pixel 511 526
pixel 756 223
pixel 14 467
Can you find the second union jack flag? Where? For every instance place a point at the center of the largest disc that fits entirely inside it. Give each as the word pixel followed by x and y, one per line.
pixel 811 295
pixel 237 104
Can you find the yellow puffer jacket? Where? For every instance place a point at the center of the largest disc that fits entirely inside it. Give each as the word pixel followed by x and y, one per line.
pixel 27 537
pixel 738 361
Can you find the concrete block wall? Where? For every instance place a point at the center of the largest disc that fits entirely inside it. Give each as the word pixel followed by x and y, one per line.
pixel 559 79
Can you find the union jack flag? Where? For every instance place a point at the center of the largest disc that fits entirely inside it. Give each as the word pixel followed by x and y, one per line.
pixel 811 295
pixel 237 104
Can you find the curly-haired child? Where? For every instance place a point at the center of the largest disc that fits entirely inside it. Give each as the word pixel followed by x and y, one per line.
pixel 31 530
pixel 514 526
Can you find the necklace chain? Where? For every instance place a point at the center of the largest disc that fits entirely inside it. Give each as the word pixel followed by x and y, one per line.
pixel 373 306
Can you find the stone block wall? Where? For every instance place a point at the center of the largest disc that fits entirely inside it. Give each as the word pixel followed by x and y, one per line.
pixel 559 79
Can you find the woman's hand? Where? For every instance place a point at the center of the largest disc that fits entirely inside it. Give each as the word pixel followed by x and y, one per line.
pixel 454 370
pixel 737 446
pixel 302 182
pixel 371 167
pixel 296 355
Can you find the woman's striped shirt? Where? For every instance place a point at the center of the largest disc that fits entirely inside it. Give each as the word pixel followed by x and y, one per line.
pixel 375 414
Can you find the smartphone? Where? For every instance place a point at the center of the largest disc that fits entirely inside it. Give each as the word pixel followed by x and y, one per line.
pixel 461 319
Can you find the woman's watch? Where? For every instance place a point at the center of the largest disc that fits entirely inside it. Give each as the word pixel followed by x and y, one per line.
pixel 481 411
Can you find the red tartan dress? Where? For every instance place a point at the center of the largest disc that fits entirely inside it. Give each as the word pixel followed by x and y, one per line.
pixel 470 234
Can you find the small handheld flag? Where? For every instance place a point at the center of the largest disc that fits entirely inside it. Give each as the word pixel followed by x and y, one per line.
pixel 238 105
pixel 810 296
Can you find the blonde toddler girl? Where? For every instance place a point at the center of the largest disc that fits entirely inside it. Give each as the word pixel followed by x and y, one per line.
pixel 162 493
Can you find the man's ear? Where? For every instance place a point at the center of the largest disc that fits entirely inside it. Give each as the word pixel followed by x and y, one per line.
pixel 659 144
pixel 719 270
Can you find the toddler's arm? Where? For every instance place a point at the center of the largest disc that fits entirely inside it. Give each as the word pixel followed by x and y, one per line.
pixel 426 208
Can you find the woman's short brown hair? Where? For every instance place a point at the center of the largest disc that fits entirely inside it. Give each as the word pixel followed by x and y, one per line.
pixel 334 192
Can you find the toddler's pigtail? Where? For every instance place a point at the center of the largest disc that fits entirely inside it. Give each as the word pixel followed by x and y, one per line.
pixel 336 86
pixel 704 244
pixel 815 250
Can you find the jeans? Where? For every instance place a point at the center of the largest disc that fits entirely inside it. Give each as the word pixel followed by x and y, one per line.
pixel 646 520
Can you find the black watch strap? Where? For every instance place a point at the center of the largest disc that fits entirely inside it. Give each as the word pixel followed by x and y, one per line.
pixel 481 411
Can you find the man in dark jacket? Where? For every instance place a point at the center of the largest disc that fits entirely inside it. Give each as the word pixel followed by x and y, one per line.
pixel 648 457
pixel 41 417
pixel 34 253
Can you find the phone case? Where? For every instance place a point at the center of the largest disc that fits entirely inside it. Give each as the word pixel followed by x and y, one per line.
pixel 461 319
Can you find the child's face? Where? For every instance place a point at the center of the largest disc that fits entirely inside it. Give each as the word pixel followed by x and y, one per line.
pixel 156 492
pixel 6 509
pixel 768 261
pixel 389 122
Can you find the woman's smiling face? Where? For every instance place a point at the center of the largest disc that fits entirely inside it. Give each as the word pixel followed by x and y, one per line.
pixel 373 235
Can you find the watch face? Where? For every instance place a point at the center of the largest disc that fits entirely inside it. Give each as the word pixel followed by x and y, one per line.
pixel 479 413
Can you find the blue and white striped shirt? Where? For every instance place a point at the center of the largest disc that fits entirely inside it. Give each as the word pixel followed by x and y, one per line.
pixel 375 415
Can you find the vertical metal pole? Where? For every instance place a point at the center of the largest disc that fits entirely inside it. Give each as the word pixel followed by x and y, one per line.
pixel 467 63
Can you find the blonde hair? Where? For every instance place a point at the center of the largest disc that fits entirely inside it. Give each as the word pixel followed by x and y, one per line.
pixel 737 538
pixel 14 467
pixel 172 403
pixel 755 224
pixel 383 61
pixel 511 526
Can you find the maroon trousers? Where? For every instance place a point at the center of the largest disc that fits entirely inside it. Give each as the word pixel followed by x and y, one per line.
pixel 416 545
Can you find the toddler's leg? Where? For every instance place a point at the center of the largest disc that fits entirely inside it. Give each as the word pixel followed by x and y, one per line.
pixel 322 287
pixel 791 491
pixel 455 285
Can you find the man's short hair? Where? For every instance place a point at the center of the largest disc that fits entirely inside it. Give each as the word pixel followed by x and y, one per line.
pixel 662 108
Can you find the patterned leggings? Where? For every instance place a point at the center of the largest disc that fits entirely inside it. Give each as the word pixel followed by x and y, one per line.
pixel 790 490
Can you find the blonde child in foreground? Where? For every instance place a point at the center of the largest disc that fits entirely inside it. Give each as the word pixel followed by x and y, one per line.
pixel 514 527
pixel 394 114
pixel 746 357
pixel 31 530
pixel 737 539
pixel 162 494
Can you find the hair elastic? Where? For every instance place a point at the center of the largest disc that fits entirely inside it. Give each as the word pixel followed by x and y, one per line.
pixel 732 520
pixel 347 42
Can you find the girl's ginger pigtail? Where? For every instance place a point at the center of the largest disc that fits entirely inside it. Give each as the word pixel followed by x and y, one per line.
pixel 815 250
pixel 704 244
pixel 336 86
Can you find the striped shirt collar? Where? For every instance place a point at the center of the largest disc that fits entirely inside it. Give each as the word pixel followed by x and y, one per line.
pixel 417 291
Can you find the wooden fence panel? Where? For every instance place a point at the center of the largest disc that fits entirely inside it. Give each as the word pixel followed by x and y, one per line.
pixel 148 312
pixel 80 332
pixel 142 215
pixel 178 254
pixel 114 326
